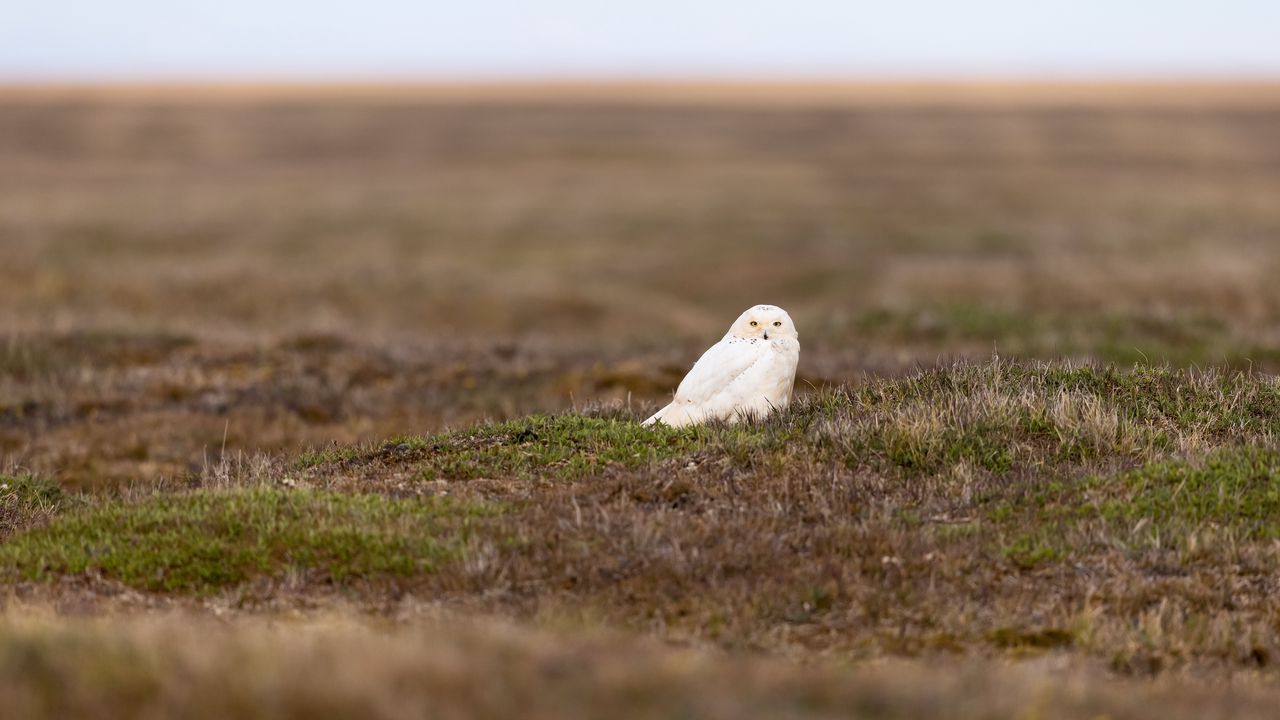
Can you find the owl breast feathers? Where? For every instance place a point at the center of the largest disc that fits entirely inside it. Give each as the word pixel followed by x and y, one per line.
pixel 748 374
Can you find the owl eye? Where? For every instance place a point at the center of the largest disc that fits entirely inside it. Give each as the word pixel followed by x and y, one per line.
pixel 777 323
pixel 754 323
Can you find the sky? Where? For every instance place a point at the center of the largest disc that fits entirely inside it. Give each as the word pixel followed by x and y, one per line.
pixel 88 40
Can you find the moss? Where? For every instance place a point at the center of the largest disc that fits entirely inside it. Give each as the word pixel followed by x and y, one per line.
pixel 206 540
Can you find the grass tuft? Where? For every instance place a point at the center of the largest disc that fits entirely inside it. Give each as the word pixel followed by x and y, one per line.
pixel 27 500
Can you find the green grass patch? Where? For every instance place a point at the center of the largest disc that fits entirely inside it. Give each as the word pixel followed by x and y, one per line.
pixel 1236 489
pixel 202 541
pixel 561 445
pixel 565 446
pixel 1233 491
pixel 571 446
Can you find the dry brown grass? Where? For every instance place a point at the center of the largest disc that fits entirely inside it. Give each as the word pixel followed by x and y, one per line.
pixel 628 222
pixel 262 287
pixel 192 667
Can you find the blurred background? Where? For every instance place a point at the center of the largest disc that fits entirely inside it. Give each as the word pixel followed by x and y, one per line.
pixel 267 226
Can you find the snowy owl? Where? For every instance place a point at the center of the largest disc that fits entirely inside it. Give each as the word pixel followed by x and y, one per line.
pixel 748 374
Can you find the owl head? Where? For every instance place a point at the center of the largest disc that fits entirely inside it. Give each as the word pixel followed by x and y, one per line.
pixel 766 322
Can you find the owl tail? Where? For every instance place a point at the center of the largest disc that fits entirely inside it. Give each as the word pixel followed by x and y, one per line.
pixel 673 415
pixel 654 418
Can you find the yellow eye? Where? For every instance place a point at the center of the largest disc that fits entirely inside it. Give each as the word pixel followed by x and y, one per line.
pixel 754 323
pixel 777 323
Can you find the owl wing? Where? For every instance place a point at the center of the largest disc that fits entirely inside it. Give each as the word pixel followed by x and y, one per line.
pixel 719 366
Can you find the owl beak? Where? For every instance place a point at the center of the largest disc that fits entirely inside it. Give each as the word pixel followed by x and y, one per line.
pixel 766 335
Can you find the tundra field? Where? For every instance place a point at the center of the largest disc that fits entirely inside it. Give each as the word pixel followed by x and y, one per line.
pixel 325 401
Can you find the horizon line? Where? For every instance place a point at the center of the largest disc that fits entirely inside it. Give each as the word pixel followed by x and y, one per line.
pixel 698 89
pixel 1241 76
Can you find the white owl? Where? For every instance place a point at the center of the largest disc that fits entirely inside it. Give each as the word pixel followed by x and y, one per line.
pixel 748 374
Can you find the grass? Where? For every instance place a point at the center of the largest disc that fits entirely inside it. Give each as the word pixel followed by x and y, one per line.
pixel 1236 490
pixel 565 446
pixel 1077 238
pixel 1000 416
pixel 871 519
pixel 178 665
pixel 448 308
pixel 1120 338
pixel 1226 496
pixel 203 541
pixel 997 416
pixel 27 500
pixel 581 275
